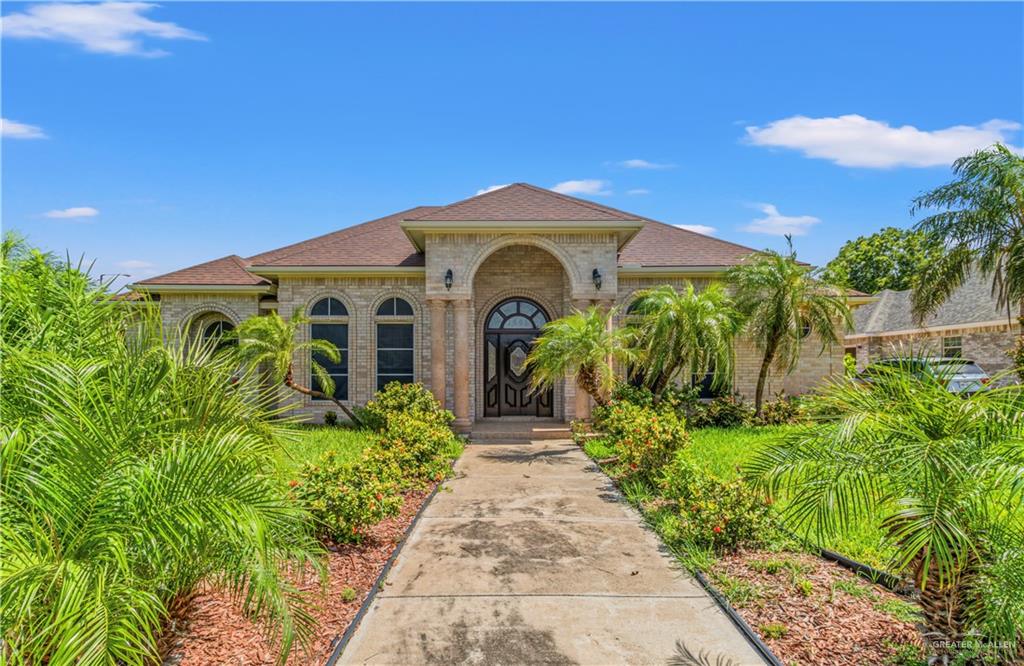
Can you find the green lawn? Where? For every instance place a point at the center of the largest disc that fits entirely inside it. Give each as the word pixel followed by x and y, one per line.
pixel 724 450
pixel 303 445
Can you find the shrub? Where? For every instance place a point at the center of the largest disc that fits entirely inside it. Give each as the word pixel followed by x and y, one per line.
pixel 412 400
pixel 330 418
pixel 644 438
pixel 723 412
pixel 419 449
pixel 347 497
pixel 717 514
pixel 131 472
pixel 640 396
pixel 781 411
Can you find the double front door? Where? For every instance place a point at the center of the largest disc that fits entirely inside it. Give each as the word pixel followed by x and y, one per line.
pixel 509 332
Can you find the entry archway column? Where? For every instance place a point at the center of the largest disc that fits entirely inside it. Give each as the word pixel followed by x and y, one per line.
pixel 582 398
pixel 462 418
pixel 438 347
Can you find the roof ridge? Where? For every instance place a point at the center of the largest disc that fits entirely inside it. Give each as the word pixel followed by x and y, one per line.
pixel 540 190
pixel 292 248
pixel 583 202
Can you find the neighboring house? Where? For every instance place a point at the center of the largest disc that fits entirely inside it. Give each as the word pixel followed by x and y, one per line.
pixel 453 296
pixel 969 324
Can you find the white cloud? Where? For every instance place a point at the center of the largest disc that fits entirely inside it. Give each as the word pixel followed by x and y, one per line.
pixel 134 264
pixel 776 224
pixel 591 187
pixel 10 129
pixel 491 188
pixel 72 213
pixel 638 190
pixel 109 27
pixel 644 164
pixel 698 228
pixel 856 141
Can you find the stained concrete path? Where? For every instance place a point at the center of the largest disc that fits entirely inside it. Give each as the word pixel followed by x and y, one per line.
pixel 530 555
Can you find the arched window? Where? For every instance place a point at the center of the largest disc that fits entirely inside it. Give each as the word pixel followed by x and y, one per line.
pixel 330 322
pixel 517 314
pixel 213 333
pixel 395 348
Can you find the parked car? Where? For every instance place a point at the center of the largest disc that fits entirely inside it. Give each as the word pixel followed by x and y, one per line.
pixel 960 375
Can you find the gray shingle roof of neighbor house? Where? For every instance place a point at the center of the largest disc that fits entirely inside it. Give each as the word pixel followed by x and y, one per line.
pixel 383 243
pixel 972 303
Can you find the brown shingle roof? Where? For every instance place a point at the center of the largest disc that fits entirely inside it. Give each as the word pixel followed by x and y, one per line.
pixel 382 242
pixel 660 244
pixel 522 202
pixel 379 242
pixel 228 271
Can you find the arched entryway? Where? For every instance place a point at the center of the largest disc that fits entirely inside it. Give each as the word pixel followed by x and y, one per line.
pixel 509 331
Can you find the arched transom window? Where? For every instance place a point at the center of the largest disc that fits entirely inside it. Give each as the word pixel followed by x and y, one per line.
pixel 395 342
pixel 517 314
pixel 329 321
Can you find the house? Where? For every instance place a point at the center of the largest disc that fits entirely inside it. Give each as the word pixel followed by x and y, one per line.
pixel 453 296
pixel 969 324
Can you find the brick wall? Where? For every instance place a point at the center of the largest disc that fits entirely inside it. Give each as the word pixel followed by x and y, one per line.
pixel 180 312
pixel 361 297
pixel 814 366
pixel 986 345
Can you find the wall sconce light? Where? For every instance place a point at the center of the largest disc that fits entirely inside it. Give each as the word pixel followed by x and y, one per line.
pixel 597 278
pixel 449 277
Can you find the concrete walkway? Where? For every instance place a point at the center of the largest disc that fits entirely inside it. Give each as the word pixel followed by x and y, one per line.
pixel 531 556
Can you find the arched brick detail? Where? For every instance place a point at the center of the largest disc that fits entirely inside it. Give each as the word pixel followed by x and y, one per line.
pixel 552 248
pixel 210 307
pixel 401 292
pixel 329 293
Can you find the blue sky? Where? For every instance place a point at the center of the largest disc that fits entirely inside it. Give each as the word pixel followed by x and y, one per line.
pixel 152 137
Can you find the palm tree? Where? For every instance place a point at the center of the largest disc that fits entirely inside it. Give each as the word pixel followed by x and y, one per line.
pixel 981 228
pixel 131 473
pixel 585 343
pixel 272 342
pixel 784 302
pixel 943 474
pixel 687 333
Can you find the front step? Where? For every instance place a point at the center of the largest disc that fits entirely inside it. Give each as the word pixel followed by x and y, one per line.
pixel 489 433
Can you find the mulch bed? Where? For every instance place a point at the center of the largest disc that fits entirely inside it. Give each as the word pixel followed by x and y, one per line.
pixel 212 629
pixel 823 624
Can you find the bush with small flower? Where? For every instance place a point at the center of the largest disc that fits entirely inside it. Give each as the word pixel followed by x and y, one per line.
pixel 644 438
pixel 412 446
pixel 711 513
pixel 345 498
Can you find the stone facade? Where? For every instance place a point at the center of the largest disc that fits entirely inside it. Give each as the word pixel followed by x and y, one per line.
pixel 556 270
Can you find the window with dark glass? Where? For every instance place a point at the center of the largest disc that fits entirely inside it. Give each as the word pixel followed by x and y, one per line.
pixel 213 333
pixel 952 346
pixel 330 322
pixel 395 342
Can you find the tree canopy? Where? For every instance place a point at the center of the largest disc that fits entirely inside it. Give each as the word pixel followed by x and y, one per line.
pixel 887 259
